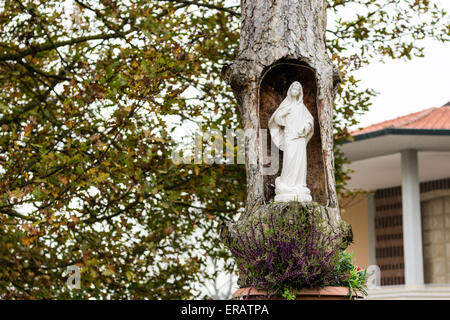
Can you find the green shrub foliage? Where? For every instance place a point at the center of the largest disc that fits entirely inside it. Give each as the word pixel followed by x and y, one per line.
pixel 292 251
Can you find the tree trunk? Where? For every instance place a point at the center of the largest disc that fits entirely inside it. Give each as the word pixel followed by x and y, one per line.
pixel 284 41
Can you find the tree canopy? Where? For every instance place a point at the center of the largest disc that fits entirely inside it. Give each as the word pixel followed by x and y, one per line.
pixel 91 92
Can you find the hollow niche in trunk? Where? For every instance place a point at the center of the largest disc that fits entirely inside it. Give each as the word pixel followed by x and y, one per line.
pixel 272 91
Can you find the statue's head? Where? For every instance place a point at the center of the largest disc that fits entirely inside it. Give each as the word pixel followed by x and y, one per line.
pixel 296 90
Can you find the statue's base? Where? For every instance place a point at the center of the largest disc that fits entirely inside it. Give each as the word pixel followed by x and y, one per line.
pixel 293 197
pixel 264 214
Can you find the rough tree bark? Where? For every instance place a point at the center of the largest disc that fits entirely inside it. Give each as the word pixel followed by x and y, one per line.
pixel 283 41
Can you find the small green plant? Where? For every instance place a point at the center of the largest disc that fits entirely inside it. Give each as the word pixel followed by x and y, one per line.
pixel 288 294
pixel 355 278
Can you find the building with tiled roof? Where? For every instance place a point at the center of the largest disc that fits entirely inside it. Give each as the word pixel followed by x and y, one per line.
pixel 401 217
pixel 428 119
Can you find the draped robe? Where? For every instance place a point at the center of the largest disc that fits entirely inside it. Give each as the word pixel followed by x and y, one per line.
pixel 291 127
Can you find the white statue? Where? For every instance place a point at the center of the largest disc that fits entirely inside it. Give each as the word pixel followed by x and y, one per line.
pixel 291 127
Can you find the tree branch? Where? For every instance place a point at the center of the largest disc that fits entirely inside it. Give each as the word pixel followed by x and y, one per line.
pixel 50 46
pixel 31 68
pixel 13 213
pixel 210 6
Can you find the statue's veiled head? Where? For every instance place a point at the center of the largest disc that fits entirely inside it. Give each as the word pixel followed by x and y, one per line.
pixel 295 91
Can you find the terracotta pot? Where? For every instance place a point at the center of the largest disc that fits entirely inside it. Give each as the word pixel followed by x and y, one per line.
pixel 326 293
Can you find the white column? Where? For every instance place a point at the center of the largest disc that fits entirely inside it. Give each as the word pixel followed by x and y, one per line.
pixel 412 223
pixel 371 225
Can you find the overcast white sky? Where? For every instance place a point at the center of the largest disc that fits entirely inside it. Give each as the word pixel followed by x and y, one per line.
pixel 408 86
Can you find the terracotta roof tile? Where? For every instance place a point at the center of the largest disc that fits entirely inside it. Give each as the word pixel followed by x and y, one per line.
pixel 433 118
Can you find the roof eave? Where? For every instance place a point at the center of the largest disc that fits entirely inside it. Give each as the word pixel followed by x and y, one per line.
pixel 399 131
